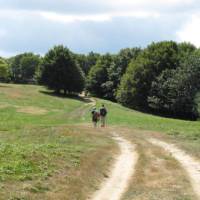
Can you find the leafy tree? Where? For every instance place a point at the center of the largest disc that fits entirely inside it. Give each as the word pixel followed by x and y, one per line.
pixel 185 50
pixel 15 68
pixel 98 76
pixel 136 83
pixel 117 69
pixel 124 58
pixel 24 67
pixel 174 91
pixel 61 71
pixel 112 69
pixel 86 62
pixel 92 60
pixel 29 67
pixel 4 70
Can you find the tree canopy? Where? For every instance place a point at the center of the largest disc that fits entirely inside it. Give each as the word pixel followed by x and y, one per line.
pixel 60 71
pixel 136 83
pixel 24 67
pixel 162 78
pixel 4 70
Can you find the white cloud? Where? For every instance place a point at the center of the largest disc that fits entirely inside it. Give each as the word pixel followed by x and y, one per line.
pixel 101 25
pixel 64 18
pixel 190 32
pixel 52 16
pixel 72 18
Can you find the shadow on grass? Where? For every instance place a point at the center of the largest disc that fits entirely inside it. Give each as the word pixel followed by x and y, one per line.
pixel 4 86
pixel 68 96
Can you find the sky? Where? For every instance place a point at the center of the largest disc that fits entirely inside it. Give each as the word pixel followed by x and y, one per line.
pixel 95 25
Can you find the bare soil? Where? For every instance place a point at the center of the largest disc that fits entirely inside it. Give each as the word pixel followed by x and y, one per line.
pixel 118 181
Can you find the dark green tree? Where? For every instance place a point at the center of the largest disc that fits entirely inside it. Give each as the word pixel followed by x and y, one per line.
pixel 24 67
pixel 86 62
pixel 4 70
pixel 117 69
pixel 98 76
pixel 136 83
pixel 185 49
pixel 61 71
pixel 174 91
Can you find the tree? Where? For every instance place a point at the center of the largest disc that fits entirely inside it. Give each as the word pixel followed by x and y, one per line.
pixel 174 91
pixel 86 62
pixel 117 69
pixel 136 83
pixel 24 67
pixel 4 70
pixel 98 76
pixel 111 68
pixel 184 50
pixel 91 60
pixel 61 71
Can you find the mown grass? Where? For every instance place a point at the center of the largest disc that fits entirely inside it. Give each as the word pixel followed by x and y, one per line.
pixel 46 154
pixel 39 146
pixel 119 115
pixel 49 109
pixel 185 134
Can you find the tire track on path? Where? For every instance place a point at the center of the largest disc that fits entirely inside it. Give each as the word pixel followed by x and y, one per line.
pixel 190 164
pixel 116 185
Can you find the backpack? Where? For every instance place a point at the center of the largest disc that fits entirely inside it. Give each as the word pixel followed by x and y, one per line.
pixel 103 112
pixel 95 116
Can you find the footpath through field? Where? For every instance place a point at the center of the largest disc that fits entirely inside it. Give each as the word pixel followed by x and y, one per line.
pixel 117 183
pixel 121 174
pixel 191 166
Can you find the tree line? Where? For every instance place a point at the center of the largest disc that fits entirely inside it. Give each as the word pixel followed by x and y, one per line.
pixel 163 78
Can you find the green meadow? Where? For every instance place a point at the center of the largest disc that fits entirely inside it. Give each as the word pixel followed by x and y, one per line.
pixel 46 141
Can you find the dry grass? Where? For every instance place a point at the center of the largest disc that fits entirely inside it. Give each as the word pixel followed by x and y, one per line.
pixel 32 110
pixel 4 105
pixel 68 183
pixel 10 93
pixel 158 175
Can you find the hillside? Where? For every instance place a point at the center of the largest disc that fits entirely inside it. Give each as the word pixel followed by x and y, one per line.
pixel 49 149
pixel 43 154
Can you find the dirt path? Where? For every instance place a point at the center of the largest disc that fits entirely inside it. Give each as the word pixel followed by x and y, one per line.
pixel 191 165
pixel 123 169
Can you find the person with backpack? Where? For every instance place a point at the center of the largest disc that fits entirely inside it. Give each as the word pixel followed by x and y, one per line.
pixel 103 113
pixel 95 116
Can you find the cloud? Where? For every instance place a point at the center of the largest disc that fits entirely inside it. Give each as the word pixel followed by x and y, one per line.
pixel 98 7
pixel 56 17
pixel 190 31
pixel 86 25
pixel 35 33
pixel 95 18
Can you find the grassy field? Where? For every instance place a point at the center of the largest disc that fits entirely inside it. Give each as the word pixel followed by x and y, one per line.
pixel 41 155
pixel 127 117
pixel 49 150
pixel 185 134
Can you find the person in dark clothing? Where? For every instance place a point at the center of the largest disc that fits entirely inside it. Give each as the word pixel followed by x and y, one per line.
pixel 95 117
pixel 103 113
